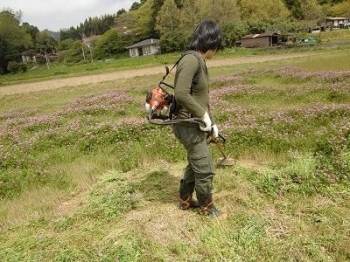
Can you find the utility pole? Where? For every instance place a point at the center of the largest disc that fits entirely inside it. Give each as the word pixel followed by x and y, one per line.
pixel 47 60
pixel 82 49
pixel 88 45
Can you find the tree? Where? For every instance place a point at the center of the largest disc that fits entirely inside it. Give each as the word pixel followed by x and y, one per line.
pixel 13 38
pixel 311 10
pixel 73 54
pixel 174 41
pixel 263 9
pixel 294 7
pixel 30 29
pixel 65 44
pixel 156 6
pixel 143 26
pixel 190 15
pixel 121 11
pixel 233 32
pixel 70 33
pixel 221 11
pixel 176 20
pixel 125 21
pixel 330 2
pixel 108 44
pixel 167 24
pixel 341 9
pixel 91 26
pixel 168 18
pixel 135 6
pixel 45 43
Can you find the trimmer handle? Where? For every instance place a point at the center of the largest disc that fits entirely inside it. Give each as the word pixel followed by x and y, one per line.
pixel 217 139
pixel 200 122
pixel 222 138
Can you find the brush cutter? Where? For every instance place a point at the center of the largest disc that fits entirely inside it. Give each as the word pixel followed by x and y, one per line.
pixel 158 102
pixel 219 141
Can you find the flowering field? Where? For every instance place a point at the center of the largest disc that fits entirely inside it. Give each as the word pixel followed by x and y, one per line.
pixel 278 112
pixel 286 111
pixel 288 129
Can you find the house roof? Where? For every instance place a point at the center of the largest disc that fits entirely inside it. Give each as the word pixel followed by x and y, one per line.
pixel 259 35
pixel 146 42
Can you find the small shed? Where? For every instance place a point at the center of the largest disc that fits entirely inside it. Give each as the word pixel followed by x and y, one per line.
pixel 260 40
pixel 145 47
pixel 337 22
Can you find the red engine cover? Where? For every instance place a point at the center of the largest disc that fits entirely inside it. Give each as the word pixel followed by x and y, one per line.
pixel 157 98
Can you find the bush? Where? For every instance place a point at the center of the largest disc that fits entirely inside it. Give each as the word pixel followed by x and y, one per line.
pixel 174 41
pixel 15 67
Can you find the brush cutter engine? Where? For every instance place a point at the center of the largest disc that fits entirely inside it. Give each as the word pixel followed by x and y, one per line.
pixel 158 103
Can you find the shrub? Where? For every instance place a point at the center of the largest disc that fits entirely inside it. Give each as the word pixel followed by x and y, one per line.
pixel 15 67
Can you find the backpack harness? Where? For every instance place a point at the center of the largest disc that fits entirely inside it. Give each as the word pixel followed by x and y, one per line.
pixel 162 105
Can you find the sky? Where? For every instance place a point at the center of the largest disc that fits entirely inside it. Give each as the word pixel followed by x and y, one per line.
pixel 55 15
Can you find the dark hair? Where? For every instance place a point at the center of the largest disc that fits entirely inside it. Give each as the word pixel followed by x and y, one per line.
pixel 207 36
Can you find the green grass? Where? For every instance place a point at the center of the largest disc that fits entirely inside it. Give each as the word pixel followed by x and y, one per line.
pixel 85 178
pixel 326 61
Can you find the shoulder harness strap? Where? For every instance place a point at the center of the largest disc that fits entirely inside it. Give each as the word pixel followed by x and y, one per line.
pixel 196 76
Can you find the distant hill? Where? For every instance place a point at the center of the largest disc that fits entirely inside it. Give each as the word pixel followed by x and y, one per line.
pixel 55 35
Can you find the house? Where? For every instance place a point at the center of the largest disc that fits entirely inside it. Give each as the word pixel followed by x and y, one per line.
pixel 28 56
pixel 337 22
pixel 260 40
pixel 145 47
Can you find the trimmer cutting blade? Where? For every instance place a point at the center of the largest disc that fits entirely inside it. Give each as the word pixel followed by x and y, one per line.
pixel 224 160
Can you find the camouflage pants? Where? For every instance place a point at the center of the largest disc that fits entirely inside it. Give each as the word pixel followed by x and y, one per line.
pixel 200 171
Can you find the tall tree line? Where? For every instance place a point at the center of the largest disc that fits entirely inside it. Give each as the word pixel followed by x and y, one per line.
pixel 17 39
pixel 91 26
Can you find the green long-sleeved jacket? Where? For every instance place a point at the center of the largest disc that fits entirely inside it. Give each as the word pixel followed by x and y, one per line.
pixel 195 102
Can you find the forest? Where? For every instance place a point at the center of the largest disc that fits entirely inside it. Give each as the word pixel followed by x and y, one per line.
pixel 171 21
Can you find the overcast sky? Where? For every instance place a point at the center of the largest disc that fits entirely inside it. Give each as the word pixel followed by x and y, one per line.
pixel 61 14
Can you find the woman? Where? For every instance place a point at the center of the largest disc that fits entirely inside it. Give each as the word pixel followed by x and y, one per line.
pixel 192 95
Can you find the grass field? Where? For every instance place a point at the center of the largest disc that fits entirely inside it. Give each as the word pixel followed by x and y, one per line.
pixel 84 177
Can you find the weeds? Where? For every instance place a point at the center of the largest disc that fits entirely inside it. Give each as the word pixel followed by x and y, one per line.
pixel 287 196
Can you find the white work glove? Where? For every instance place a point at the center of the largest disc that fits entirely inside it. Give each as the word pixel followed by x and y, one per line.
pixel 207 123
pixel 214 131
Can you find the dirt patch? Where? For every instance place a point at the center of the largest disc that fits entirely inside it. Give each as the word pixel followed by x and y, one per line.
pixel 98 78
pixel 69 205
